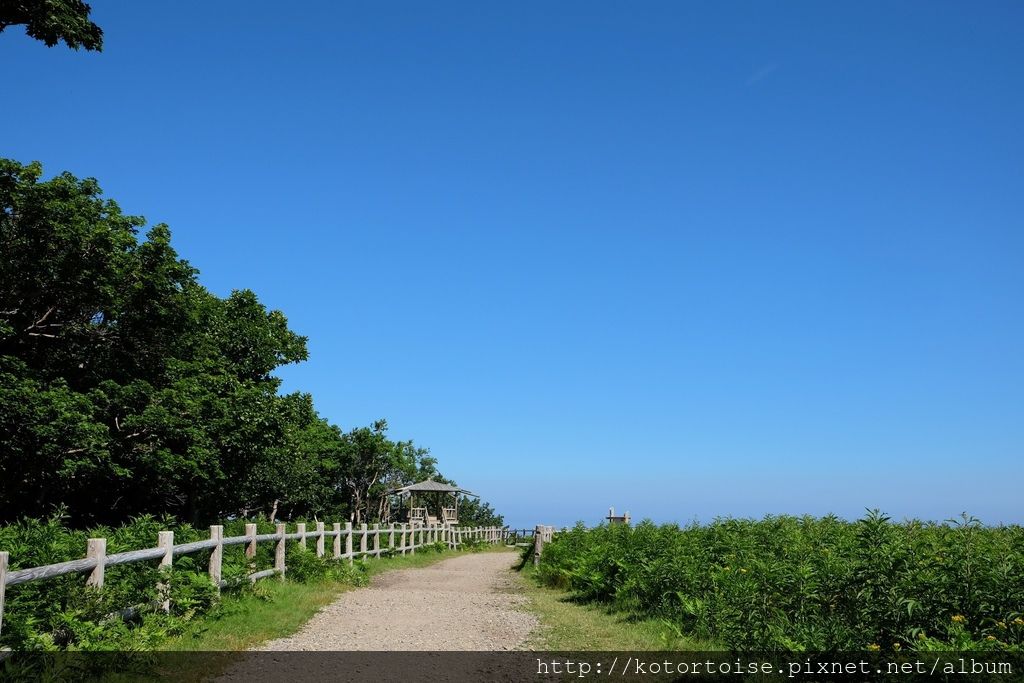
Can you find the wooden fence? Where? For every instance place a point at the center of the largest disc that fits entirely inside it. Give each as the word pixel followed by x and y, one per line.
pixel 409 538
pixel 541 535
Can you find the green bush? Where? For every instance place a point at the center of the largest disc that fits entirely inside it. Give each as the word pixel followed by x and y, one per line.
pixel 806 583
pixel 63 614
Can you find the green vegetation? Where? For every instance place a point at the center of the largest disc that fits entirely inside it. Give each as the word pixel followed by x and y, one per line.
pixel 279 609
pixel 63 614
pixel 571 625
pixel 242 619
pixel 52 21
pixel 127 388
pixel 805 583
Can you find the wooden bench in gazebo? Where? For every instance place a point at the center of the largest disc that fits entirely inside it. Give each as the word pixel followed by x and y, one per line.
pixel 420 496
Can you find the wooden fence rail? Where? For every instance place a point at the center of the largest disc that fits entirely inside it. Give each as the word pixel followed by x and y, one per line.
pixel 96 560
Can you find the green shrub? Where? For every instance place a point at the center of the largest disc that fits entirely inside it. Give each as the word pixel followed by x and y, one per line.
pixel 805 583
pixel 63 614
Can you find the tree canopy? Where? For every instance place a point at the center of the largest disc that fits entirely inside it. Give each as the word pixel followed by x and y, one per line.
pixel 52 21
pixel 126 387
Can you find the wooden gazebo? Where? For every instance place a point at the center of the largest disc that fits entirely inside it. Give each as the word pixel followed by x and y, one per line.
pixel 418 497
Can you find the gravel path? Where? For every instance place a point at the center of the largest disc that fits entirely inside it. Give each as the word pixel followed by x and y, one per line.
pixel 465 603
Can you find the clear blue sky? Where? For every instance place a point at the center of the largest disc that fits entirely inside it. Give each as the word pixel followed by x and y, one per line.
pixel 687 259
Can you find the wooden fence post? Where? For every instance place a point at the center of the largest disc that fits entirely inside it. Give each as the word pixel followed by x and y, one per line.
pixel 250 548
pixel 401 538
pixel 319 539
pixel 337 540
pixel 217 555
pixel 348 541
pixel 362 540
pixel 301 529
pixel 391 536
pixel 165 540
pixel 376 540
pixel 4 559
pixel 279 551
pixel 97 548
pixel 538 543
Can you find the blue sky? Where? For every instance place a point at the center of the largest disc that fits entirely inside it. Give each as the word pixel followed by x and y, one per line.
pixel 687 259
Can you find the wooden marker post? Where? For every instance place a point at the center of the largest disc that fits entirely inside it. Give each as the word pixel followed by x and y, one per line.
pixel 5 558
pixel 216 555
pixel 538 543
pixel 279 551
pixel 97 548
pixel 165 540
pixel 250 547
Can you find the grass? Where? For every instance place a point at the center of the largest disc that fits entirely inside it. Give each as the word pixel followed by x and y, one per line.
pixel 572 626
pixel 279 609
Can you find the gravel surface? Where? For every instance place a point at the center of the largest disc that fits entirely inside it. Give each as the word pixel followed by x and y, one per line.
pixel 465 603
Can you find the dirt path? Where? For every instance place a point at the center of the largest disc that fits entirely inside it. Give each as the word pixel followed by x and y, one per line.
pixel 464 603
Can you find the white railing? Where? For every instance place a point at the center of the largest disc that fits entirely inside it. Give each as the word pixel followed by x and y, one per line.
pixel 96 560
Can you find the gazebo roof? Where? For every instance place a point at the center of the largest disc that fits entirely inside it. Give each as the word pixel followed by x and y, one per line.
pixel 429 485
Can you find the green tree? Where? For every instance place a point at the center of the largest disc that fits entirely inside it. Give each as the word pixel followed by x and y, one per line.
pixel 52 21
pixel 475 512
pixel 127 388
pixel 367 460
pixel 121 374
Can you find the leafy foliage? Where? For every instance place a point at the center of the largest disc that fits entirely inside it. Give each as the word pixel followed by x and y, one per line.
pixel 52 21
pixel 120 373
pixel 475 512
pixel 805 583
pixel 63 614
pixel 130 395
